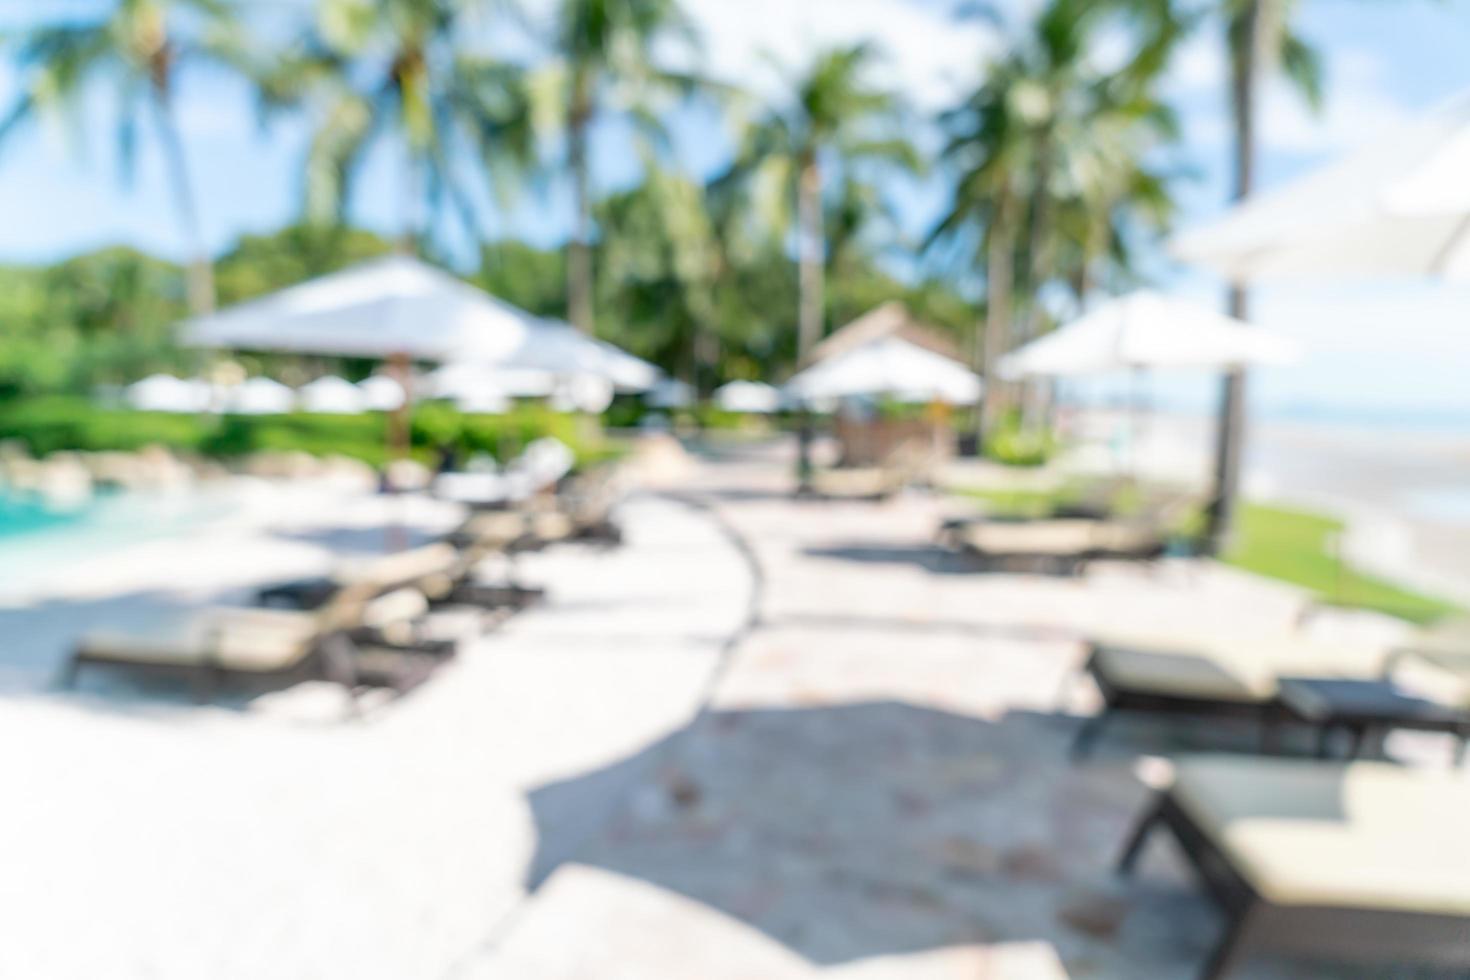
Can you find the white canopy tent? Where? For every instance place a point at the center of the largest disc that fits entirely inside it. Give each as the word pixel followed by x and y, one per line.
pixel 260 396
pixel 890 367
pixel 1400 206
pixel 1147 331
pixel 381 393
pixel 390 307
pixel 749 397
pixel 332 395
pixel 166 393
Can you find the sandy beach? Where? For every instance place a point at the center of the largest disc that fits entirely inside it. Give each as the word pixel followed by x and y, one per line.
pixel 765 737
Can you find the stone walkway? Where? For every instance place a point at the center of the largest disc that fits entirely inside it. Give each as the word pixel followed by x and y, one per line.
pixel 879 787
pixel 144 837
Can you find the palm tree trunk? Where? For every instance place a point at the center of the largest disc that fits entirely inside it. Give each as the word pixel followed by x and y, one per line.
pixel 200 280
pixel 999 283
pixel 1230 429
pixel 812 285
pixel 579 250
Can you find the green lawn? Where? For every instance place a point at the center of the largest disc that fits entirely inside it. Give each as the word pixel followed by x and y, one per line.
pixel 1289 545
pixel 1298 547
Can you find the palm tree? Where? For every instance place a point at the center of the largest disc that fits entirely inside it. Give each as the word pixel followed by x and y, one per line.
pixel 1259 42
pixel 1047 151
pixel 835 124
pixel 605 60
pixel 404 71
pixel 137 50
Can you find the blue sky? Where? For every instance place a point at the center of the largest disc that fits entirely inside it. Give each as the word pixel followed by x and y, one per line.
pixel 1398 346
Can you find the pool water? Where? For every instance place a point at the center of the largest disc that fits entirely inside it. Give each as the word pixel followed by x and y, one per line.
pixel 29 514
pixel 37 540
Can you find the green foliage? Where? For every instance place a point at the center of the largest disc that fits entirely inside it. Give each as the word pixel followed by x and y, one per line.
pixel 1013 443
pixel 51 424
pixel 102 317
pixel 1300 547
pixel 261 264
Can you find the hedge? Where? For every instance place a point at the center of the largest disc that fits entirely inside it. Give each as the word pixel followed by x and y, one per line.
pixel 50 424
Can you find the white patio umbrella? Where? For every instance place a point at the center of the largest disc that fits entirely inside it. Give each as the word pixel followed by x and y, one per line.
pixel 260 396
pixel 749 397
pixel 391 307
pixel 890 366
pixel 590 393
pixel 396 308
pixel 381 393
pixel 467 379
pixel 166 393
pixel 332 395
pixel 670 393
pixel 565 352
pixel 1398 207
pixel 1147 331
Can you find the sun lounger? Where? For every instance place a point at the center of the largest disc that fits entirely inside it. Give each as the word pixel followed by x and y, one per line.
pixel 1362 862
pixel 1068 541
pixel 261 644
pixel 906 465
pixel 1211 674
pixel 380 573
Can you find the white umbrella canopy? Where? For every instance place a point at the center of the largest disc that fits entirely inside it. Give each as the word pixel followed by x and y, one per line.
pixel 332 395
pixel 260 396
pixel 396 306
pixel 1147 331
pixel 381 393
pixel 887 367
pixel 166 393
pixel 562 350
pixel 467 379
pixel 1398 207
pixel 750 397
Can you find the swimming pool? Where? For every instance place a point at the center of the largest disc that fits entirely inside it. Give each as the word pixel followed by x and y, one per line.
pixel 37 539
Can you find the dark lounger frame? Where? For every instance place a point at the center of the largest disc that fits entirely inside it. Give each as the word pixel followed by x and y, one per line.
pixel 1356 935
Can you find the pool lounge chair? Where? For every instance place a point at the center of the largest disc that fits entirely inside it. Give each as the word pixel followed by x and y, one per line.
pixel 281 646
pixel 1069 541
pixel 1360 862
pixel 379 573
pixel 1210 674
pixel 904 466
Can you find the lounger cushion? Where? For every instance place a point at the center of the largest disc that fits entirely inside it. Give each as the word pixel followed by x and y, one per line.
pixel 496 527
pixel 1359 835
pixel 864 482
pixel 401 567
pixel 398 606
pixel 1046 538
pixel 256 640
pixel 1227 667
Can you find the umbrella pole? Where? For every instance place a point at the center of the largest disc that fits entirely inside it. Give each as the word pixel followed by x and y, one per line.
pixel 400 368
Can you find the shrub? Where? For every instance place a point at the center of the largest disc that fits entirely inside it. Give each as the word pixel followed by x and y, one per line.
pixel 1010 442
pixel 51 424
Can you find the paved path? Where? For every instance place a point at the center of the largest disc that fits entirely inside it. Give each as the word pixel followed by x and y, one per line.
pixel 879 785
pixel 143 837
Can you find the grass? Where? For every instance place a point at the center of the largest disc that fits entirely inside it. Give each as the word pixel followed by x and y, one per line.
pixel 1294 546
pixel 1299 547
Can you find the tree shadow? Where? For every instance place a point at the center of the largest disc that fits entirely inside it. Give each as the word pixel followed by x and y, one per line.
pixel 930 557
pixel 874 829
pixel 362 540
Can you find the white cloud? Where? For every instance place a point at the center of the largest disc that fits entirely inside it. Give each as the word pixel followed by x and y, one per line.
pixel 927 54
pixel 1357 106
